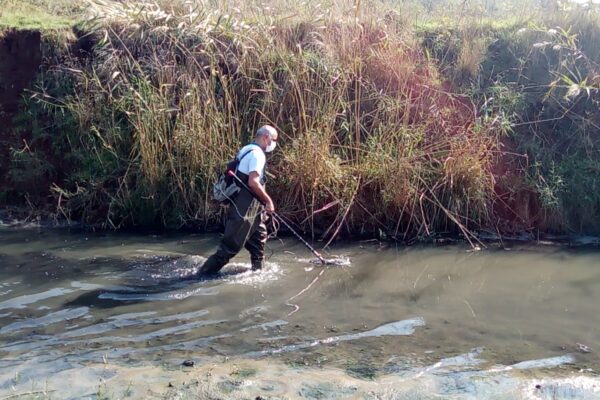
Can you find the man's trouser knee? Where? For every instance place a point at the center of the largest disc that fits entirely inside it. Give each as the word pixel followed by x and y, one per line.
pixel 243 222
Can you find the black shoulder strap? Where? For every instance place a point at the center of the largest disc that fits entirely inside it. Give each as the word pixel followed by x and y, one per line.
pixel 245 154
pixel 248 151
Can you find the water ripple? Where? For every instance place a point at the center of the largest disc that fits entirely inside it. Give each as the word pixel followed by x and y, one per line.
pixel 158 296
pixel 399 328
pixel 23 301
pixel 52 318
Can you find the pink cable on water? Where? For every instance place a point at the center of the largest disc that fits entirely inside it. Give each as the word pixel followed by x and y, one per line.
pixel 296 306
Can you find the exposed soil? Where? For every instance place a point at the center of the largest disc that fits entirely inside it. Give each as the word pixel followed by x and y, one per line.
pixel 20 60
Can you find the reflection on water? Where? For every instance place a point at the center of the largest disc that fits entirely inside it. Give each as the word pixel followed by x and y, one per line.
pixel 454 319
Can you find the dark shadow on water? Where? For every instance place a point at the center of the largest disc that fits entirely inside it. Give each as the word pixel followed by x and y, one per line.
pixel 92 299
pixel 134 294
pixel 105 281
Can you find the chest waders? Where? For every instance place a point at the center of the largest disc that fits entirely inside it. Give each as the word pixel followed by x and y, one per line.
pixel 245 227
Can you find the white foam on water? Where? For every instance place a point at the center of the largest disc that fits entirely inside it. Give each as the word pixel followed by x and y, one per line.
pixel 242 274
pixel 179 267
pixel 155 269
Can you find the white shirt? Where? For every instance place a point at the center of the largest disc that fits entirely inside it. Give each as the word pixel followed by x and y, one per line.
pixel 253 161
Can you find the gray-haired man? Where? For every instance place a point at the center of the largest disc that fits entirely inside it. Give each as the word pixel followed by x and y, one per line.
pixel 245 226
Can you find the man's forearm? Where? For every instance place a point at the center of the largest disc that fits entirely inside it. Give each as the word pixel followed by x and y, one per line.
pixel 260 192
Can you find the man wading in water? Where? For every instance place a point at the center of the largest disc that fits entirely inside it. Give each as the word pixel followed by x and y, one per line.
pixel 245 225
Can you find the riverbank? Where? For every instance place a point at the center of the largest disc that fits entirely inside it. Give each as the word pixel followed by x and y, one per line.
pixel 17 218
pixel 389 128
pixel 460 378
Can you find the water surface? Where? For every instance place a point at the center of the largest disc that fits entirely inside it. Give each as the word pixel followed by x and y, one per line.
pixel 458 319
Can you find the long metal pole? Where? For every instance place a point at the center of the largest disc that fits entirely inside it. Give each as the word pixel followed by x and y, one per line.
pixel 316 253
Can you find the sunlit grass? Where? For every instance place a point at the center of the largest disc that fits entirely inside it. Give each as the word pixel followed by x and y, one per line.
pixel 39 14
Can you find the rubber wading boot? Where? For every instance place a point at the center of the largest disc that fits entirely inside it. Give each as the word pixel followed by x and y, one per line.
pixel 257 265
pixel 211 266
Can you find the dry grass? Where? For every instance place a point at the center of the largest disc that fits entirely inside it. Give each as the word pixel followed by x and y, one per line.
pixel 373 137
pixel 368 126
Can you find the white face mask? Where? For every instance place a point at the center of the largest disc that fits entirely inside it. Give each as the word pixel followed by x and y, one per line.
pixel 271 147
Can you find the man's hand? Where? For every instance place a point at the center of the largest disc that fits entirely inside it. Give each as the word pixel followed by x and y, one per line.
pixel 270 207
pixel 259 191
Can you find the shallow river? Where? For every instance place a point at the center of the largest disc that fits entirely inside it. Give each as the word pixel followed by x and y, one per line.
pixel 110 316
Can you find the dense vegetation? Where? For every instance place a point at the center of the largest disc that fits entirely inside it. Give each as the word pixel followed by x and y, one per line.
pixel 397 118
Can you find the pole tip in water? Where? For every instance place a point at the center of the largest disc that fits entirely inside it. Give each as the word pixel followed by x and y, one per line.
pixel 339 261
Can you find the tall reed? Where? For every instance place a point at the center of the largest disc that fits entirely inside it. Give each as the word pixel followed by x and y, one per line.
pixel 375 137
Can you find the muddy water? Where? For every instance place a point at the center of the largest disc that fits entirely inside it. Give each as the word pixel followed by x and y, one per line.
pixel 85 315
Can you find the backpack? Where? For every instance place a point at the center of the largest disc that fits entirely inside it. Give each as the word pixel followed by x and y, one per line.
pixel 225 188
